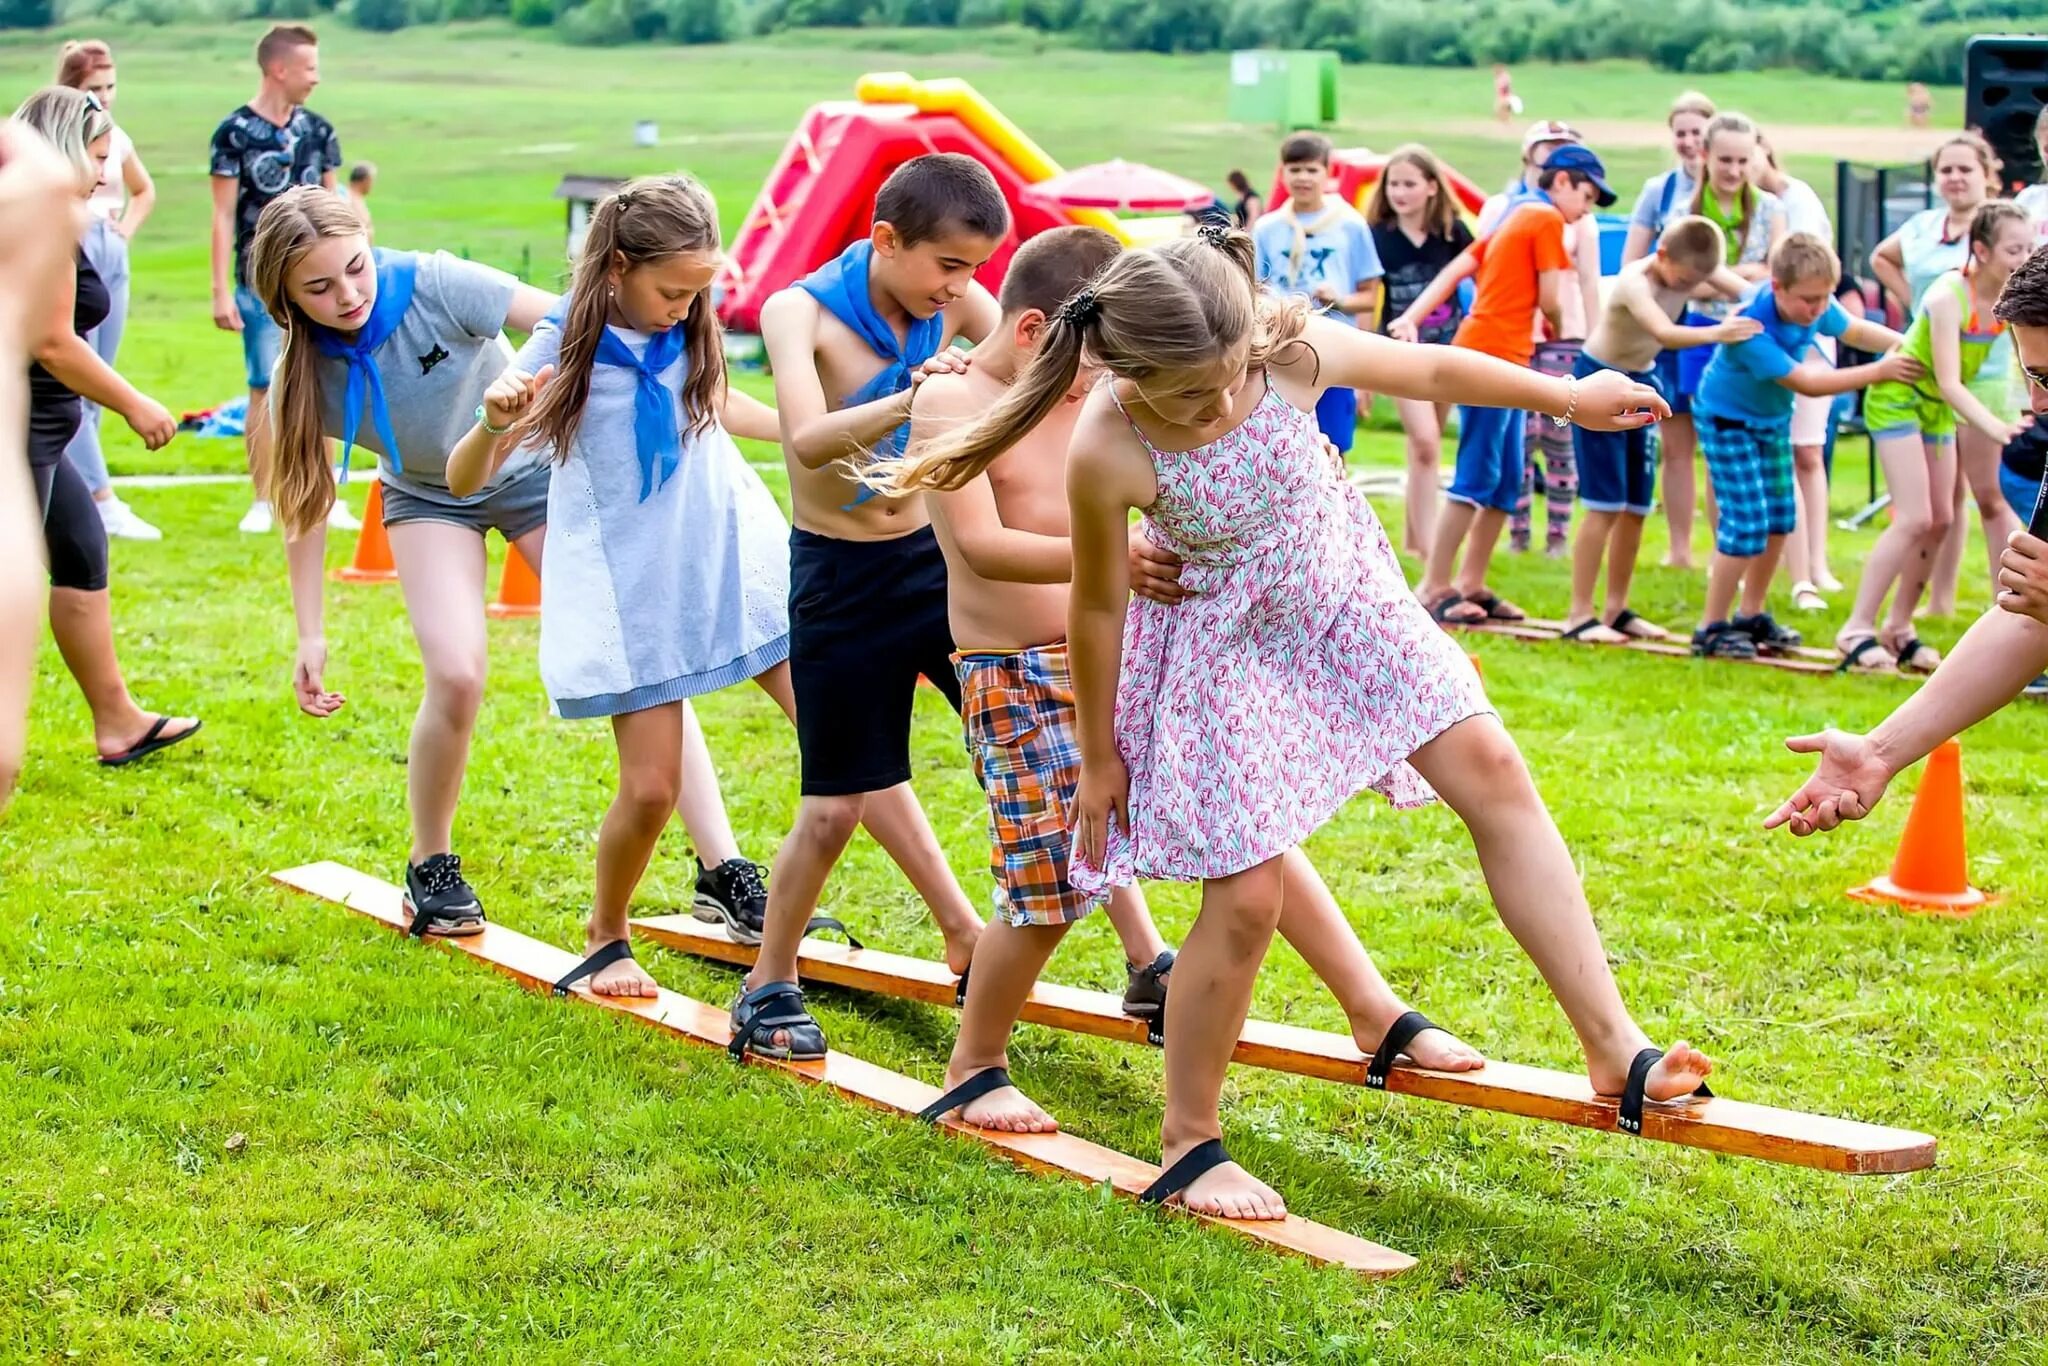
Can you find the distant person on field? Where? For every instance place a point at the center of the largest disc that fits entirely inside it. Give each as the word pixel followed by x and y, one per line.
pixel 261 150
pixel 1919 105
pixel 1317 245
pixel 1506 103
pixel 1250 205
pixel 118 207
pixel 361 177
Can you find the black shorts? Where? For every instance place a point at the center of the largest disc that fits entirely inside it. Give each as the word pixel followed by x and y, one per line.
pixel 73 534
pixel 865 619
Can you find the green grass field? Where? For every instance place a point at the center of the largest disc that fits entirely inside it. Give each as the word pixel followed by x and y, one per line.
pixel 249 1127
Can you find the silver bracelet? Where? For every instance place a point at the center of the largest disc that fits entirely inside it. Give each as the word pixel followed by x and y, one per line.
pixel 1571 403
pixel 484 421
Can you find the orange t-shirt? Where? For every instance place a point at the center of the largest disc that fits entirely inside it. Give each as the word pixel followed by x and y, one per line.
pixel 1511 261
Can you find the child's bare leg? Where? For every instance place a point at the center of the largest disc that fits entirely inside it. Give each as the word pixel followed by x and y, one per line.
pixel 1486 529
pixel 1314 924
pixel 898 824
pixel 1451 528
pixel 1724 577
pixel 1622 549
pixel 1594 534
pixel 650 778
pixel 802 863
pixel 1217 966
pixel 1007 962
pixel 1419 419
pixel 1479 773
pixel 1980 460
pixel 701 805
pixel 1907 474
pixel 1926 526
pixel 1132 921
pixel 1756 580
pixel 1805 554
pixel 1680 442
pixel 1946 575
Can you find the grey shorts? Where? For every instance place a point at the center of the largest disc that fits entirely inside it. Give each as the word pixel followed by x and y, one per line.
pixel 514 508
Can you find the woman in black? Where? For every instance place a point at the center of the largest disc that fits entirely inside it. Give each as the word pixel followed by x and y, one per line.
pixel 66 367
pixel 1249 205
pixel 1417 232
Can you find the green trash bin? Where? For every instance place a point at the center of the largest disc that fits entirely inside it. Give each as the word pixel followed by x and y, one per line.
pixel 1287 89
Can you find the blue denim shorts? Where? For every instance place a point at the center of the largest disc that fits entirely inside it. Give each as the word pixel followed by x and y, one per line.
pixel 261 339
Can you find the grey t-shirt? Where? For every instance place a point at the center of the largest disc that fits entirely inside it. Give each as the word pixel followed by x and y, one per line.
pixel 435 367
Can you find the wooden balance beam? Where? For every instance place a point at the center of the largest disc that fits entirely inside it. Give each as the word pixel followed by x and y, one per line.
pixel 537 966
pixel 1803 660
pixel 1722 1126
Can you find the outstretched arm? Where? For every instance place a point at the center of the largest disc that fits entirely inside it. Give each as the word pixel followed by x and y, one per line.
pixel 744 415
pixel 1434 295
pixel 529 306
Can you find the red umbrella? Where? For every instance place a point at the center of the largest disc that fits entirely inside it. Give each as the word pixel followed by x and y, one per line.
pixel 1122 186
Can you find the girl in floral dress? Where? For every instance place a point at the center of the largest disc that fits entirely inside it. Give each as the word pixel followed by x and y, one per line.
pixel 1218 734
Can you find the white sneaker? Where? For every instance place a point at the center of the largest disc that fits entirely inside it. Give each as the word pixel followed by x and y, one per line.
pixel 121 520
pixel 339 518
pixel 256 521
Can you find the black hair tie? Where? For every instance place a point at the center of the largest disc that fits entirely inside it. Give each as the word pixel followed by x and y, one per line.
pixel 1080 310
pixel 1215 234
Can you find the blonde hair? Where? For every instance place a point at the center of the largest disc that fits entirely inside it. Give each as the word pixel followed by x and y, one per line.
pixel 1695 243
pixel 301 479
pixel 1163 311
pixel 77 62
pixel 1740 125
pixel 72 121
pixel 1992 215
pixel 1690 102
pixel 1439 216
pixel 1979 148
pixel 650 220
pixel 1802 256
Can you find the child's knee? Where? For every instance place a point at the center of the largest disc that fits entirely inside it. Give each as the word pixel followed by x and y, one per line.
pixel 649 787
pixel 1249 903
pixel 455 688
pixel 1920 524
pixel 829 820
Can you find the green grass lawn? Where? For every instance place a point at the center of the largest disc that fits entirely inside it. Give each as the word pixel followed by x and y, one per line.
pixel 248 1126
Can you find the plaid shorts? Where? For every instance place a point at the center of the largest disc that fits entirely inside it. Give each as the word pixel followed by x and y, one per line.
pixel 1751 466
pixel 1018 707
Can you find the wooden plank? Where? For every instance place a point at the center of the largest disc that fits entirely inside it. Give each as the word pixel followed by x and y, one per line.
pixel 1724 1126
pixel 1667 649
pixel 538 966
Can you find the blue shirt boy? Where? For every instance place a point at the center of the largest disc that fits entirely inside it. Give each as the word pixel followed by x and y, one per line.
pixel 1334 248
pixel 1741 382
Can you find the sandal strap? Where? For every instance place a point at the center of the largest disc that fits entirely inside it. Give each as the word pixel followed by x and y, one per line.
pixel 1155 1023
pixel 1399 1035
pixel 1630 1120
pixel 1856 652
pixel 1623 619
pixel 825 924
pixel 1588 624
pixel 960 987
pixel 966 1093
pixel 759 1020
pixel 602 958
pixel 1196 1163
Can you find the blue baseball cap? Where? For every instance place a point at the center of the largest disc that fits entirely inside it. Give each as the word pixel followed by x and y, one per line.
pixel 1576 157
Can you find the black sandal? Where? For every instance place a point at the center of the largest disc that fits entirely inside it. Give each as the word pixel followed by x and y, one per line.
pixel 1440 611
pixel 1145 993
pixel 1497 608
pixel 755 1018
pixel 1630 1120
pixel 1853 657
pixel 1400 1034
pixel 825 924
pixel 960 988
pixel 1623 620
pixel 152 740
pixel 1907 652
pixel 1578 632
pixel 603 957
pixel 965 1094
pixel 1196 1163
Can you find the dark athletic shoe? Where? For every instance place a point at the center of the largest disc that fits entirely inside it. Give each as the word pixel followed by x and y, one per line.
pixel 734 893
pixel 1721 640
pixel 439 901
pixel 1770 638
pixel 1145 995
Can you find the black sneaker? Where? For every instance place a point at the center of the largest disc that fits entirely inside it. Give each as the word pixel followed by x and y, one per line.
pixel 439 901
pixel 1145 993
pixel 734 892
pixel 1770 638
pixel 1722 640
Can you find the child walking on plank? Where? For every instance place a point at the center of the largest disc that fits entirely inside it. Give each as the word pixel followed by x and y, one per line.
pixel 1218 734
pixel 1743 410
pixel 393 351
pixel 1914 427
pixel 1003 526
pixel 849 345
pixel 1618 470
pixel 664 577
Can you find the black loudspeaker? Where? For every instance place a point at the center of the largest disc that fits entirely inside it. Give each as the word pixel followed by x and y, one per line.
pixel 2007 80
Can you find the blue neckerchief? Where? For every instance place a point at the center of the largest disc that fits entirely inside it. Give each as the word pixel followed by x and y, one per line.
pixel 657 437
pixel 395 276
pixel 841 287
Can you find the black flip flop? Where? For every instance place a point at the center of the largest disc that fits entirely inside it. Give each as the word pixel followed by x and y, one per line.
pixel 1578 632
pixel 1913 646
pixel 1196 1163
pixel 1855 654
pixel 600 958
pixel 1439 611
pixel 965 1094
pixel 152 741
pixel 1492 603
pixel 769 1007
pixel 1399 1035
pixel 1630 1120
pixel 825 924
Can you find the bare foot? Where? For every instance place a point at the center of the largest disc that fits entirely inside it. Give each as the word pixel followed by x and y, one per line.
pixel 112 744
pixel 623 978
pixel 1642 628
pixel 1005 1110
pixel 1596 633
pixel 1678 1073
pixel 1230 1192
pixel 1438 1050
pixel 960 942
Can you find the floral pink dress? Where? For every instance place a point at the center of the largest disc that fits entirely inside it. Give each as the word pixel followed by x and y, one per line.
pixel 1302 672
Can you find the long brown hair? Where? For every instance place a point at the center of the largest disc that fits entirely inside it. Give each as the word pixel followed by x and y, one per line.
pixel 1439 216
pixel 76 62
pixel 1166 310
pixel 651 219
pixel 1739 124
pixel 301 479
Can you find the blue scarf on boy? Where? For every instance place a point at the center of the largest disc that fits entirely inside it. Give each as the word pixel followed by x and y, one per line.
pixel 396 271
pixel 841 287
pixel 657 435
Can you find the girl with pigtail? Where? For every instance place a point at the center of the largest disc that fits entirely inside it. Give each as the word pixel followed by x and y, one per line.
pixel 392 351
pixel 1219 733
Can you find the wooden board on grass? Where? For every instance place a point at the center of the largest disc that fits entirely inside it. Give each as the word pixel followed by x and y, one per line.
pixel 1724 1126
pixel 538 966
pixel 1668 649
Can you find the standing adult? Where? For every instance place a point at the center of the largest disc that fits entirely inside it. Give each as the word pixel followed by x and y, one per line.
pixel 65 371
pixel 1249 205
pixel 1806 551
pixel 261 150
pixel 2034 198
pixel 1663 198
pixel 118 206
pixel 1927 246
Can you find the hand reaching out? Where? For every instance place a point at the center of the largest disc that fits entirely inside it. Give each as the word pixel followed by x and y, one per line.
pixel 1850 781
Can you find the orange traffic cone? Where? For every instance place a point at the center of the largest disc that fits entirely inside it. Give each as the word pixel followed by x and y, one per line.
pixel 1931 871
pixel 518 588
pixel 372 563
